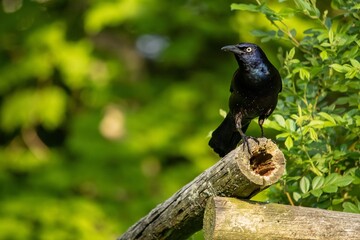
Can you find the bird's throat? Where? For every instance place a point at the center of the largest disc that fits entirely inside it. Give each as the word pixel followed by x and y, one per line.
pixel 256 74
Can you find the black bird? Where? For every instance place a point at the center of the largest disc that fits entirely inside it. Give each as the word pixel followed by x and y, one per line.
pixel 254 92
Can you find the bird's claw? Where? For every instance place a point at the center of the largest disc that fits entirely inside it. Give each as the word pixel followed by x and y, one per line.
pixel 246 142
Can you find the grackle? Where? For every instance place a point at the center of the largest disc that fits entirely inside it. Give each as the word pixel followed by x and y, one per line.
pixel 254 92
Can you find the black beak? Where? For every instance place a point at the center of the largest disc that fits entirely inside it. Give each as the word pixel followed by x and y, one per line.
pixel 231 48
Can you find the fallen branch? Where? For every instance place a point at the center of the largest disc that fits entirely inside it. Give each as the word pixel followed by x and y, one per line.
pixel 238 174
pixel 230 219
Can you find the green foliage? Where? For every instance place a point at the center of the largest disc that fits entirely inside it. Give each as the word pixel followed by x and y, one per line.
pixel 96 127
pixel 105 106
pixel 318 114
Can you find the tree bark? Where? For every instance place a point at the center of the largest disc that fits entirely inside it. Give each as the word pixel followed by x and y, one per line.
pixel 230 219
pixel 238 174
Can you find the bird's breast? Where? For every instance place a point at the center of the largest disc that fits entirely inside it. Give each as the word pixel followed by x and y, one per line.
pixel 253 103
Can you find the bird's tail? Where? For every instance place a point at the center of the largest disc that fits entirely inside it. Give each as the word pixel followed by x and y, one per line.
pixel 225 138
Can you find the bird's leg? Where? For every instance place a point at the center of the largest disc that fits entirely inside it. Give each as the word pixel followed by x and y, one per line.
pixel 261 122
pixel 238 118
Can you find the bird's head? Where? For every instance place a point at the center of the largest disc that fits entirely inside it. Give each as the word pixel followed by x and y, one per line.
pixel 246 53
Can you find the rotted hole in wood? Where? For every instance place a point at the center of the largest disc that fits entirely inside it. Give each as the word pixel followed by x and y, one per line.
pixel 261 163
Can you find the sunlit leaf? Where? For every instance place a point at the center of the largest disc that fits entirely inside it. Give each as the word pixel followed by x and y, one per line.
pixel 350 207
pixel 318 182
pixel 355 63
pixel 291 54
pixel 324 55
pixel 280 120
pixel 340 68
pixel 344 181
pixel 331 36
pixel 330 188
pixel 45 106
pixel 296 196
pixel 313 134
pixel 304 184
pixel 244 7
pixel 304 74
pixel 337 201
pixel 110 13
pixel 316 192
pixel 222 113
pixel 283 135
pixel 289 143
pixel 332 179
pixel 327 117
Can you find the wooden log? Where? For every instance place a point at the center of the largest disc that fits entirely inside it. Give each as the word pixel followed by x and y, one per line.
pixel 230 219
pixel 238 174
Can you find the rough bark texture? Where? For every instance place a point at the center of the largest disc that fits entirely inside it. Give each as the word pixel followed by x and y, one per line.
pixel 238 174
pixel 230 219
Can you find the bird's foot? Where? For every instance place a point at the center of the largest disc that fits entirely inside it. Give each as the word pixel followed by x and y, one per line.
pixel 246 142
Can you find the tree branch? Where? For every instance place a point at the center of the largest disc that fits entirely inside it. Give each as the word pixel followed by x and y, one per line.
pixel 230 219
pixel 238 174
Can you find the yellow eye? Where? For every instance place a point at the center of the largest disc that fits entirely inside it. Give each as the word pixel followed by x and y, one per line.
pixel 248 49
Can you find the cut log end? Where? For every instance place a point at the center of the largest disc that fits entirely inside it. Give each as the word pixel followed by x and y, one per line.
pixel 265 164
pixel 239 174
pixel 261 163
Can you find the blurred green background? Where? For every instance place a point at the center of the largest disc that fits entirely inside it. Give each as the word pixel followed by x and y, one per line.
pixel 106 107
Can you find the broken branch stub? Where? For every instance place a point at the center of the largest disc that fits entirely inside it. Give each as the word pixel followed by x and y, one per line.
pixel 238 174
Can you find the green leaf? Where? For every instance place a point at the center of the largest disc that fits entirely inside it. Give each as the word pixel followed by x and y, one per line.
pixel 332 179
pixel 316 192
pixel 244 7
pixel 324 55
pixel 331 36
pixel 316 123
pixel 280 33
pixel 351 53
pixel 330 189
pixel 222 113
pixel 329 124
pixel 304 74
pixel 293 32
pixel 350 207
pixel 313 134
pixel 352 73
pixel 291 54
pixel 46 106
pixel 274 125
pixel 317 182
pixel 304 184
pixel 280 120
pixel 305 195
pixel 328 23
pixel 283 135
pixel 327 117
pixel 355 63
pixel 337 201
pixel 290 125
pixel 338 68
pixel 356 6
pixel 109 13
pixel 344 181
pixel 296 196
pixel 294 178
pixel 260 33
pixel 269 13
pixel 289 143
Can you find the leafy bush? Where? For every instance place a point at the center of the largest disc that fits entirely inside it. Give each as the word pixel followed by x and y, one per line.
pixel 318 114
pixel 96 127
